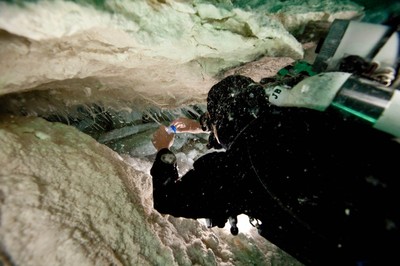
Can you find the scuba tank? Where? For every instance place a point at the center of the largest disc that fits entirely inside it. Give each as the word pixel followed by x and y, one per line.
pixel 355 75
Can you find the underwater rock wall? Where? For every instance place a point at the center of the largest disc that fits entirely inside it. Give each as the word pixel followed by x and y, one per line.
pixel 65 199
pixel 142 52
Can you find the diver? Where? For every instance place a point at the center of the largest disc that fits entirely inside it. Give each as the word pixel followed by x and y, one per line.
pixel 321 184
pixel 324 187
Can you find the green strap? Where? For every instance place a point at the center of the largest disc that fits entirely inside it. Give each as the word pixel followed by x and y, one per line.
pixel 297 68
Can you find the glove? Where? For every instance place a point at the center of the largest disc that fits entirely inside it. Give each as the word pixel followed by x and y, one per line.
pixel 164 170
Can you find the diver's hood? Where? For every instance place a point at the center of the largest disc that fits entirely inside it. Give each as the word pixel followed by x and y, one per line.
pixel 232 104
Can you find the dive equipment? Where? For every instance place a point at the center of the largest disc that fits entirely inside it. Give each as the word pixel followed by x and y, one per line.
pixel 357 66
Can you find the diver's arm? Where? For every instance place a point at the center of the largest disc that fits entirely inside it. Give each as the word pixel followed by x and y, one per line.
pixel 187 125
pixel 193 194
pixel 163 138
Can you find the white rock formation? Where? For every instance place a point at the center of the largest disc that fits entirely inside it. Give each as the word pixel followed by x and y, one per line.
pixel 138 49
pixel 67 200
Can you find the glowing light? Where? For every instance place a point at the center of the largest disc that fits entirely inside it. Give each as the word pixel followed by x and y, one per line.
pixel 243 223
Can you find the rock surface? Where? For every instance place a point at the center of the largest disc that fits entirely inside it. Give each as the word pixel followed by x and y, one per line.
pixel 66 199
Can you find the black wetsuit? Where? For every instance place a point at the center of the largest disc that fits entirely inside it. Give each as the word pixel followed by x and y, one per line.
pixel 324 186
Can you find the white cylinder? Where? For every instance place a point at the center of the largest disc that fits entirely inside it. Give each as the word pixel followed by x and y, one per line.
pixel 316 92
pixel 389 121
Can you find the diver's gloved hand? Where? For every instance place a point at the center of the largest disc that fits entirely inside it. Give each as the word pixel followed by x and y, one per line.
pixel 164 169
pixel 162 139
